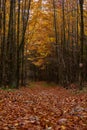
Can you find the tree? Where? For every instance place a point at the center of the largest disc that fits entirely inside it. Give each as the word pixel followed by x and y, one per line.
pixel 46 35
pixel 81 2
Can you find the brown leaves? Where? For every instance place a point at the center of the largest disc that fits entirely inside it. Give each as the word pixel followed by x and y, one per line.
pixel 42 108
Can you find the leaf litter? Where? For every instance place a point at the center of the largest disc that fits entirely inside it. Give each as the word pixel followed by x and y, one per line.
pixel 40 108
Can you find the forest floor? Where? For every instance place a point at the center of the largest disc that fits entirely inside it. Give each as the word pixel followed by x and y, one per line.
pixel 43 107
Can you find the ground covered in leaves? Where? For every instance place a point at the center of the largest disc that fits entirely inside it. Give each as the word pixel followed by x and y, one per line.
pixel 42 108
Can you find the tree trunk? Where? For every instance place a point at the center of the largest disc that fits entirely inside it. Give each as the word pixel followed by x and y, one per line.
pixel 81 2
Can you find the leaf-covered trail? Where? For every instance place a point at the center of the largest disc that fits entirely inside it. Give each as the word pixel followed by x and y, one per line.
pixel 42 108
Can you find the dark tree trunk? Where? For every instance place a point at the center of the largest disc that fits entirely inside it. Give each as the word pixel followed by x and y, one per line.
pixel 81 2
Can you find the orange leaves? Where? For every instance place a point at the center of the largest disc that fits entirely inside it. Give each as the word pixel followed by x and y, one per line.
pixel 39 62
pixel 39 34
pixel 41 108
pixel 63 127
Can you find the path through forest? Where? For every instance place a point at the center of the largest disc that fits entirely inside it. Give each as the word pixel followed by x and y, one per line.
pixel 42 107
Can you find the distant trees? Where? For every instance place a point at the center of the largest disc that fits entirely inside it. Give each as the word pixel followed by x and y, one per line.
pixel 47 38
pixel 65 40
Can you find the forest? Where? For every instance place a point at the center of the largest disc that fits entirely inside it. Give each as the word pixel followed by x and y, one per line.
pixel 43 40
pixel 43 64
